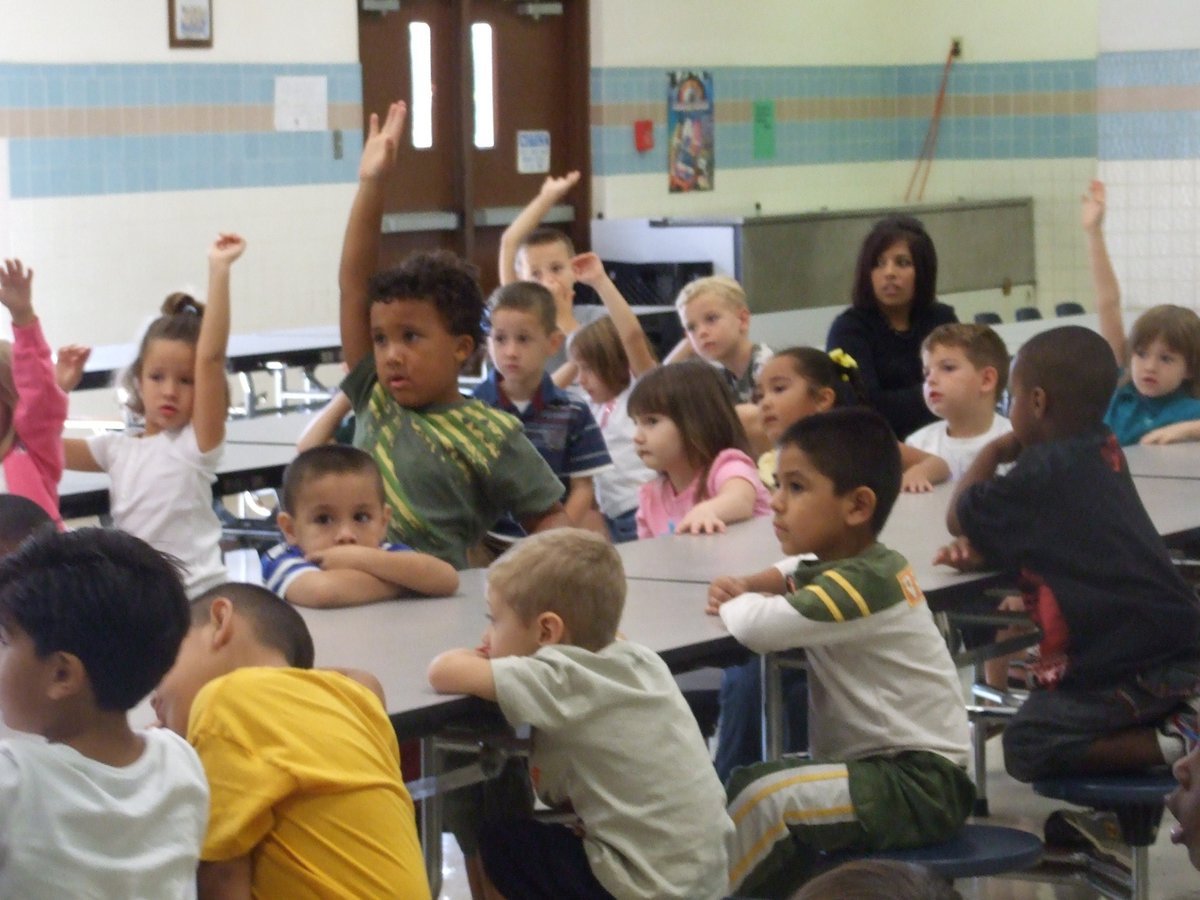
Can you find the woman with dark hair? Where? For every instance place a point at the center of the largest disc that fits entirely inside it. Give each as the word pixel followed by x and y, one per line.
pixel 893 308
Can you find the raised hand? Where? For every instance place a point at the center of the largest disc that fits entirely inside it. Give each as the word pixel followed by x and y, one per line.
pixel 68 366
pixel 588 268
pixel 379 149
pixel 226 248
pixel 16 291
pixel 1092 205
pixel 554 189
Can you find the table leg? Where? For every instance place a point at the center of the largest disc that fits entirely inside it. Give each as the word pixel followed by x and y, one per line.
pixel 772 711
pixel 431 817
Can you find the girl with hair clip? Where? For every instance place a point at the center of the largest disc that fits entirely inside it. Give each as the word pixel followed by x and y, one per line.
pixel 612 354
pixel 893 309
pixel 32 405
pixel 688 432
pixel 1158 401
pixel 162 476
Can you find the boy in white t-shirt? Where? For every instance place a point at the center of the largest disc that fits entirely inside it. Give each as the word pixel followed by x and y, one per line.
pixel 89 622
pixel 966 368
pixel 613 739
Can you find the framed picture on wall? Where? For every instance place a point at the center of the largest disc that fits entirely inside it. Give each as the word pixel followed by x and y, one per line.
pixel 190 23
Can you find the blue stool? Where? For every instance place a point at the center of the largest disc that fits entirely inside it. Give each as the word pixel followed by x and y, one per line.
pixel 1137 801
pixel 977 851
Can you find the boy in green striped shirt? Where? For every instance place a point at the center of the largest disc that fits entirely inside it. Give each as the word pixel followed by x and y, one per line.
pixel 888 728
pixel 451 467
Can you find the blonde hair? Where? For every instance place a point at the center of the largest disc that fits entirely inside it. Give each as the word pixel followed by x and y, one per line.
pixel 8 397
pixel 722 285
pixel 1179 328
pixel 567 571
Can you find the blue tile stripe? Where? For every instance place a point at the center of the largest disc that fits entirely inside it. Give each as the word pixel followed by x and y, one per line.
pixel 1161 130
pixel 103 163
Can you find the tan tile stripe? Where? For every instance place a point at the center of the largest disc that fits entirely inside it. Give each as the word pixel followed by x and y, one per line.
pixel 1148 99
pixel 799 109
pixel 116 121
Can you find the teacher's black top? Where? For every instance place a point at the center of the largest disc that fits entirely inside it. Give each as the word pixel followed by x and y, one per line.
pixel 889 361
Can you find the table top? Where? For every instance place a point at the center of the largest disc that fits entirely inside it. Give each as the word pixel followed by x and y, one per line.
pixel 282 428
pixel 1166 461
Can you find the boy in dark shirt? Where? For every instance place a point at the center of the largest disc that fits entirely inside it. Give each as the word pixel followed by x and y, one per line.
pixel 1118 660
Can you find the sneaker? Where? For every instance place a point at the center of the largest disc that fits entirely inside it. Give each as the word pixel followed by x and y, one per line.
pixel 1184 724
pixel 1095 832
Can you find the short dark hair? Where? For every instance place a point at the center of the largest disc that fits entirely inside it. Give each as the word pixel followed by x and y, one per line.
pixel 20 518
pixel 979 343
pixel 544 235
pixel 526 297
pixel 104 596
pixel 276 622
pixel 852 447
pixel 820 370
pixel 328 459
pixel 696 397
pixel 885 233
pixel 181 315
pixel 447 281
pixel 1076 368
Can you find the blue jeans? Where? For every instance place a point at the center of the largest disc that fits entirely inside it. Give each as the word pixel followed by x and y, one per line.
pixel 624 527
pixel 739 730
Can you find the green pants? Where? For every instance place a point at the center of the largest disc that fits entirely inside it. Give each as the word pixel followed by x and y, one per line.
pixel 789 812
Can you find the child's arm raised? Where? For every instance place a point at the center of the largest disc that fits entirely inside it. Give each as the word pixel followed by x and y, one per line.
pixel 1104 279
pixel 68 366
pixel 921 470
pixel 553 190
pixel 463 672
pixel 211 408
pixel 581 494
pixel 323 427
pixel 360 248
pixel 415 571
pixel 590 270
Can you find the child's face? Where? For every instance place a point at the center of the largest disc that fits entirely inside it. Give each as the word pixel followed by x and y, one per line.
pixel 592 384
pixel 416 358
pixel 657 440
pixel 1184 804
pixel 810 517
pixel 1157 370
pixel 953 386
pixel 550 266
pixel 506 634
pixel 519 347
pixel 714 326
pixel 167 384
pixel 334 509
pixel 24 678
pixel 786 397
pixel 894 277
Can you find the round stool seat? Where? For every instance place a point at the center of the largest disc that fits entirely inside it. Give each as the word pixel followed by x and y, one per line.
pixel 975 852
pixel 1138 800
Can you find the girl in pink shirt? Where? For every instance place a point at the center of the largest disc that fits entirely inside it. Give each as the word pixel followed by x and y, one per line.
pixel 33 407
pixel 688 432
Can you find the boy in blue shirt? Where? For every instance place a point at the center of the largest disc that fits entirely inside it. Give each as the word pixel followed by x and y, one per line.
pixel 451 467
pixel 523 337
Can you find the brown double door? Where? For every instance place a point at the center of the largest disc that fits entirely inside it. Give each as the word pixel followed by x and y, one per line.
pixel 452 193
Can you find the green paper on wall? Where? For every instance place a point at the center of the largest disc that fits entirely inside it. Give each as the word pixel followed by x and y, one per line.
pixel 764 129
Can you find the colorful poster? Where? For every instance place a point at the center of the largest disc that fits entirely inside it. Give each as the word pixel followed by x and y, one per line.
pixel 690 159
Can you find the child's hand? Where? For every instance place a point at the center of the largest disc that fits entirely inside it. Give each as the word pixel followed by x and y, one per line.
pixel 1172 434
pixel 589 269
pixel 339 556
pixel 960 554
pixel 912 482
pixel 554 189
pixel 700 519
pixel 1092 207
pixel 16 291
pixel 724 589
pixel 226 248
pixel 379 149
pixel 68 366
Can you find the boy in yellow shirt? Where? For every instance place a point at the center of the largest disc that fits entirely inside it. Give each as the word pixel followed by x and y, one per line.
pixel 303 764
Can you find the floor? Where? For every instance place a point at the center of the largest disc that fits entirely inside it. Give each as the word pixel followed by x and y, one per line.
pixel 1014 804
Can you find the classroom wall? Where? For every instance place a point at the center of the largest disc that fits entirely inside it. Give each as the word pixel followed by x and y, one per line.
pixel 1148 100
pixel 120 159
pixel 853 87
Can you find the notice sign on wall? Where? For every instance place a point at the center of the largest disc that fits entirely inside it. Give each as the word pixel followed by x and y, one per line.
pixel 301 103
pixel 690 158
pixel 533 152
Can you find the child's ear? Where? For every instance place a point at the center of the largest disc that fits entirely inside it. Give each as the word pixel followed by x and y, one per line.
pixel 826 399
pixel 287 524
pixel 1039 402
pixel 860 506
pixel 988 378
pixel 68 676
pixel 221 621
pixel 551 629
pixel 464 346
pixel 556 340
pixel 744 319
